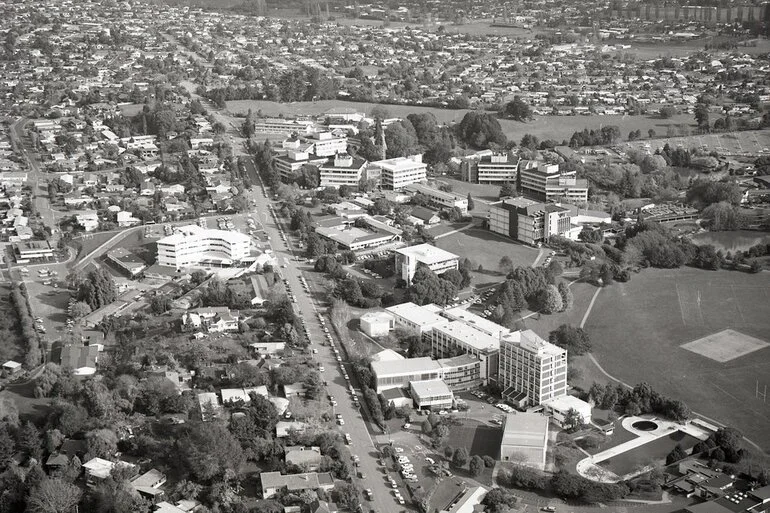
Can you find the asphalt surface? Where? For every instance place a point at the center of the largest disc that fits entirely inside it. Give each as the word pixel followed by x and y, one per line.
pixel 362 444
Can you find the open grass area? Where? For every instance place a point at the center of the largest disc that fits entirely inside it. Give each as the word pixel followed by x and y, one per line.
pixel 544 127
pixel 478 438
pixel 486 249
pixel 638 328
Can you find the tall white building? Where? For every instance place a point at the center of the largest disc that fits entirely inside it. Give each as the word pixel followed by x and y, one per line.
pixel 496 169
pixel 402 171
pixel 192 245
pixel 532 370
pixel 437 260
pixel 530 221
pixel 342 169
pixel 547 183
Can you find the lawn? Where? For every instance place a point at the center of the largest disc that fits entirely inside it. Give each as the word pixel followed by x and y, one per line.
pixel 478 438
pixel 544 127
pixel 469 243
pixel 637 329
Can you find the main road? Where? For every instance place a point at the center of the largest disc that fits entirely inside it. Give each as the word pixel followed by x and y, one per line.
pixel 308 308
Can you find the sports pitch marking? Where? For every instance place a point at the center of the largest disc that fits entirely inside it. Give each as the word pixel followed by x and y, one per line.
pixel 725 345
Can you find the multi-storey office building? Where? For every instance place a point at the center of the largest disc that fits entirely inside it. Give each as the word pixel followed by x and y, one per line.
pixel 399 172
pixel 546 183
pixel 455 338
pixel 497 169
pixel 192 245
pixel 342 169
pixel 530 221
pixel 437 260
pixel 531 370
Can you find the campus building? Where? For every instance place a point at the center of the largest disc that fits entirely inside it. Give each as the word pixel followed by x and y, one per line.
pixel 296 157
pixel 342 169
pixel 525 439
pixel 399 172
pixel 459 373
pixel 530 221
pixel 344 232
pixel 453 338
pixel 546 183
pixel 126 261
pixel 439 199
pixel 32 249
pixel 531 370
pixel 281 126
pixel 496 169
pixel 437 260
pixel 415 319
pixel 431 394
pixel 192 245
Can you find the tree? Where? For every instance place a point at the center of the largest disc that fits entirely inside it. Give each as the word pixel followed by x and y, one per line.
pixel 505 264
pixel 676 454
pixel 80 309
pixel 347 496
pixel 518 109
pixel 567 298
pixel 53 495
pixel 481 130
pixel 573 339
pixel 573 420
pixel 160 303
pixel 209 450
pixel 401 139
pixel 460 457
pixel 702 116
pixel 476 465
pixel 667 112
pixel 549 300
pixel 507 190
pixel 471 204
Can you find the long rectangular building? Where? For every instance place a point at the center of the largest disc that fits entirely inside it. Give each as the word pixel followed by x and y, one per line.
pixel 496 169
pixel 456 337
pixel 192 245
pixel 437 260
pixel 439 199
pixel 530 221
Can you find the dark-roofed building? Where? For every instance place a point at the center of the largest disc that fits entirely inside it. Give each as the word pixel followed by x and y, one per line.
pixel 497 169
pixel 127 261
pixel 273 482
pixel 79 358
pixel 530 221
pixel 426 215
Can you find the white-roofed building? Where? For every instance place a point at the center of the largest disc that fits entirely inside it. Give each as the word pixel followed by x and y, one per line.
pixel 452 336
pixel 376 324
pixel 192 245
pixel 399 172
pixel 467 501
pixel 525 439
pixel 387 355
pixel 415 319
pixel 399 373
pixel 437 260
pixel 431 394
pixel 532 370
pixel 560 406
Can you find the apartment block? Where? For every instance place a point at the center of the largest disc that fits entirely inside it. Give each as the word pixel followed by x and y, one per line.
pixel 531 370
pixel 546 183
pixel 530 221
pixel 399 172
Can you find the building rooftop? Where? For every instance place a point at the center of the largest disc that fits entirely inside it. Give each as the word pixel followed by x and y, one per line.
pixel 427 253
pixel 565 402
pixel 430 388
pixel 186 232
pixel 476 321
pixel 532 342
pixel 387 355
pixel 469 335
pixel 419 315
pixel 407 366
pixel 525 430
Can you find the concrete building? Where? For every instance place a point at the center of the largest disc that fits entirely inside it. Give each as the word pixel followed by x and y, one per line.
pixel 467 501
pixel 525 439
pixel 461 372
pixel 439 199
pixel 559 406
pixel 342 231
pixel 342 169
pixel 496 169
pixel 326 144
pixel 529 221
pixel 431 394
pixel 415 319
pixel 437 260
pixel 192 245
pixel 546 183
pixel 456 337
pixel 32 249
pixel 399 172
pixel 532 370
pixel 126 261
pixel 376 324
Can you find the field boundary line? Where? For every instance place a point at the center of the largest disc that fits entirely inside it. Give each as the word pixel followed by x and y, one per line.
pixel 613 378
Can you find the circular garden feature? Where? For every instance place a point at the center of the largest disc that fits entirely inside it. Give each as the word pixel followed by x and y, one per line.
pixel 645 425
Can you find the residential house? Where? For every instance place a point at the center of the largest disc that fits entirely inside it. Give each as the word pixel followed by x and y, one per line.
pixel 273 482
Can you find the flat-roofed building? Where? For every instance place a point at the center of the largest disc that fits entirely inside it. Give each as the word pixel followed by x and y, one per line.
pixel 431 394
pixel 192 245
pixel 525 439
pixel 476 321
pixel 281 126
pixel 127 261
pixel 342 169
pixel 376 324
pixel 273 482
pixel 497 169
pixel 399 373
pixel 437 260
pixel 560 406
pixel 439 199
pixel 451 337
pixel 32 249
pixel 467 501
pixel 342 231
pixel 399 172
pixel 415 319
pixel 461 372
pixel 546 183
pixel 532 370
pixel 530 221
pixel 13 178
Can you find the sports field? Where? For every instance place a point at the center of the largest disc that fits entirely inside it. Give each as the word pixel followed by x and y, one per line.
pixel 700 336
pixel 544 127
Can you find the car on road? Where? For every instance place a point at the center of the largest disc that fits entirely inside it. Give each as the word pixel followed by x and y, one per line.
pixel 549 509
pixel 341 422
pixel 320 368
pixel 368 494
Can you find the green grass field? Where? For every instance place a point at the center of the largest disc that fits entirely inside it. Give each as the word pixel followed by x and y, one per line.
pixel 544 127
pixel 638 328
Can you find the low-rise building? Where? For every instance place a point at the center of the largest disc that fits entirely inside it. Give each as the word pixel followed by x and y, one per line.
pixel 273 482
pixel 376 324
pixel 496 169
pixel 439 199
pixel 127 261
pixel 467 501
pixel 192 245
pixel 437 260
pixel 559 407
pixel 453 337
pixel 32 250
pixel 306 458
pixel 525 439
pixel 415 319
pixel 431 394
pixel 459 372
